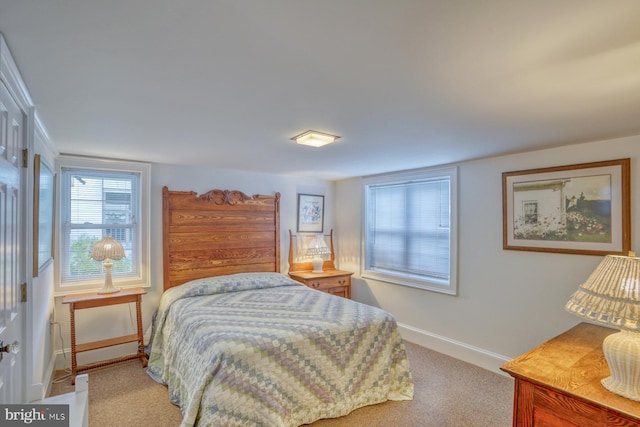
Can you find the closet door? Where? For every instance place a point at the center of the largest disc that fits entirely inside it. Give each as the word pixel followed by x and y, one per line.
pixel 12 136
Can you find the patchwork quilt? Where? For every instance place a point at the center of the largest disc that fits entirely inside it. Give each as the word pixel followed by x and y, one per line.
pixel 260 349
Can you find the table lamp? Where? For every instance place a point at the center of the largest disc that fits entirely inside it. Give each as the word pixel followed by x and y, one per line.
pixel 316 249
pixel 105 250
pixel 611 296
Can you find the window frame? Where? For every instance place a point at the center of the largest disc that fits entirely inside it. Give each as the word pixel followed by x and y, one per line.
pixel 108 165
pixel 395 178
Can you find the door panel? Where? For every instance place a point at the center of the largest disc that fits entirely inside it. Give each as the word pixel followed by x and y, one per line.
pixel 11 142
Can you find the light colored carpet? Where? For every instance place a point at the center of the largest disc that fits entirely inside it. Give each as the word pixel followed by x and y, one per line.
pixel 448 392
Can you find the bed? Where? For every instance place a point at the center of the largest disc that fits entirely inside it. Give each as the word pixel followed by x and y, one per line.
pixel 240 344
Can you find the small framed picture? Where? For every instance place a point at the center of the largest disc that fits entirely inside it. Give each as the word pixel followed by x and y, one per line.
pixel 310 213
pixel 574 209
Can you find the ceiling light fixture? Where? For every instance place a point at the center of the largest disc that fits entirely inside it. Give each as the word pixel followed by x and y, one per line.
pixel 314 138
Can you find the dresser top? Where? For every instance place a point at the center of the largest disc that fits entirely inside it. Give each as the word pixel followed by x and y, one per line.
pixel 325 273
pixel 573 363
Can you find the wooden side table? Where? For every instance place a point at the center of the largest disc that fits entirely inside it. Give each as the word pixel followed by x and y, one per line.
pixel 558 383
pixel 334 282
pixel 90 300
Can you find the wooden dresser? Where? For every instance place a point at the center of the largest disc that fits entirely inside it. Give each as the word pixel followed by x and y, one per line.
pixel 558 383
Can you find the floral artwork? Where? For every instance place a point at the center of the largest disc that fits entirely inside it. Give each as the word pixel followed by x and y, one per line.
pixel 573 209
pixel 310 213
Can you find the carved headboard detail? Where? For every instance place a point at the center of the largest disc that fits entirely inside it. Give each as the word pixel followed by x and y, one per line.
pixel 219 232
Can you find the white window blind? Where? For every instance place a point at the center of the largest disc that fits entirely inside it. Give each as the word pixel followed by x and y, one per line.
pixel 94 203
pixel 408 229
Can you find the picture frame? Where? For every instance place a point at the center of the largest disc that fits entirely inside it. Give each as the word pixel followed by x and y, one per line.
pixel 310 213
pixel 43 215
pixel 574 209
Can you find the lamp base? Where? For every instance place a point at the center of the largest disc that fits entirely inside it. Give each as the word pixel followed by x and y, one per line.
pixel 108 287
pixel 622 351
pixel 317 265
pixel 111 290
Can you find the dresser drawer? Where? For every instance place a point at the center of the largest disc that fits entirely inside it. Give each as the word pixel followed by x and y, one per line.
pixel 334 282
pixel 326 283
pixel 552 408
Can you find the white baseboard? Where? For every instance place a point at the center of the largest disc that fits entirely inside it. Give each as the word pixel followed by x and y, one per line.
pixel 465 352
pixel 62 359
pixel 36 392
pixel 41 390
pixel 49 374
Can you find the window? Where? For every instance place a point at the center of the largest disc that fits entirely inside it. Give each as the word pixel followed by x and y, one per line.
pixel 101 198
pixel 410 229
pixel 530 212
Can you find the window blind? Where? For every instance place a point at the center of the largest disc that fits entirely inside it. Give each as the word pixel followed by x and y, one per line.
pixel 94 204
pixel 408 229
pixel 409 234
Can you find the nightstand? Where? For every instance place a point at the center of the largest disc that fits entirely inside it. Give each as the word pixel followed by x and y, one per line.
pixel 90 300
pixel 330 280
pixel 334 282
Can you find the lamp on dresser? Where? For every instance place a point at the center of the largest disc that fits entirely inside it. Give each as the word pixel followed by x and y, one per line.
pixel 611 296
pixel 317 249
pixel 105 250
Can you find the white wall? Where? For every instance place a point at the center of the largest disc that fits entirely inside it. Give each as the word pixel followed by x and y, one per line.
pixel 106 322
pixel 40 300
pixel 508 301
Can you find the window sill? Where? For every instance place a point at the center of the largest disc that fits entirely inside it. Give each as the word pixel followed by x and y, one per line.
pixel 432 286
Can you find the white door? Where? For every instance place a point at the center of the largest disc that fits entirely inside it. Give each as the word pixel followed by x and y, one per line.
pixel 11 217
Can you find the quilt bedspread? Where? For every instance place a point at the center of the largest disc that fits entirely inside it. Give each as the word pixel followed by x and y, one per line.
pixel 259 349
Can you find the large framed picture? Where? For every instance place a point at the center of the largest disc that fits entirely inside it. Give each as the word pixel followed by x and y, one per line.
pixel 43 208
pixel 310 213
pixel 576 209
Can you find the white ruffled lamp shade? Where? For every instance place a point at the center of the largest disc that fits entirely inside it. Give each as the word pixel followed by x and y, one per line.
pixel 611 296
pixel 105 250
pixel 317 249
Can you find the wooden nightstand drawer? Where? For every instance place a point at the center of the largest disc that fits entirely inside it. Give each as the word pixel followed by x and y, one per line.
pixel 335 282
pixel 324 283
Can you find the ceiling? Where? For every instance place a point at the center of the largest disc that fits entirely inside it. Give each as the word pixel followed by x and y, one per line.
pixel 405 83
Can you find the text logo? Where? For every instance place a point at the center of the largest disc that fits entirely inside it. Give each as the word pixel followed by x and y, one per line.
pixel 34 415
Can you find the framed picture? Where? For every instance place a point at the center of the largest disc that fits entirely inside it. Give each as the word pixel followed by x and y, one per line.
pixel 43 199
pixel 575 209
pixel 310 213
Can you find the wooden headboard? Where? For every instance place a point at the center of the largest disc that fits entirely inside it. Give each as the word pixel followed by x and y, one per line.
pixel 219 232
